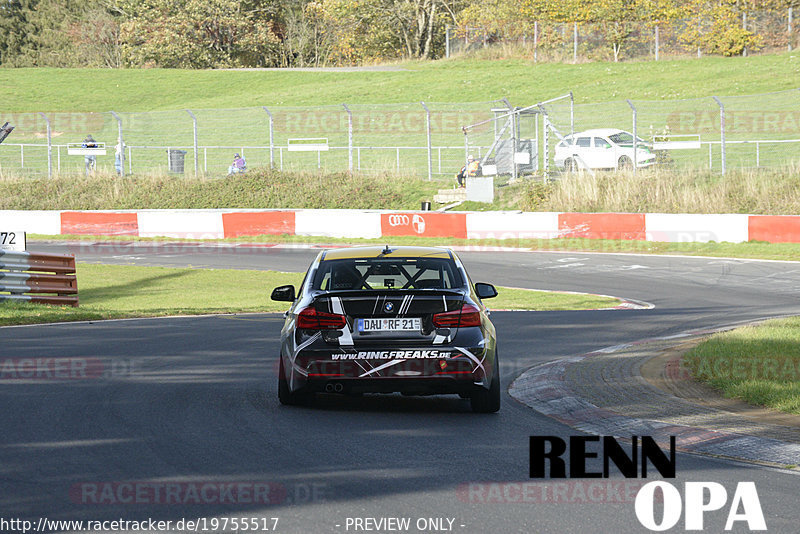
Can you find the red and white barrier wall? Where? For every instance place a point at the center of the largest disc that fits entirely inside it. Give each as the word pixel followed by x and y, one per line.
pixel 211 224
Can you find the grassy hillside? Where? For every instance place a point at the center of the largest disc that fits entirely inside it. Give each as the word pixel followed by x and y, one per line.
pixel 256 189
pixel 765 192
pixel 456 80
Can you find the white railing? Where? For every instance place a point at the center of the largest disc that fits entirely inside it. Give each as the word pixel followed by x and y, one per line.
pixel 32 157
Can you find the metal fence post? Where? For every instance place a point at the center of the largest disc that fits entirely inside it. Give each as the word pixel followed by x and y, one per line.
pixel 535 40
pixel 194 121
pixel 271 143
pixel 121 144
pixel 744 27
pixel 514 142
pixel 710 156
pixel 349 137
pixel 656 47
pixel 466 151
pixel 447 41
pixel 574 42
pixel 721 130
pixel 790 28
pixel 428 131
pixel 635 138
pixel 571 113
pixel 49 146
pixel 545 141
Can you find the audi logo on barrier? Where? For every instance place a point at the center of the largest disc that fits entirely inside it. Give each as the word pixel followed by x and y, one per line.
pixel 397 220
pixel 416 221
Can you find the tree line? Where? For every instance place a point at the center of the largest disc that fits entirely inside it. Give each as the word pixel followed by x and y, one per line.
pixel 301 33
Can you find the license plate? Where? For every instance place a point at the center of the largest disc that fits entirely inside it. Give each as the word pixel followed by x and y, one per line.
pixel 389 325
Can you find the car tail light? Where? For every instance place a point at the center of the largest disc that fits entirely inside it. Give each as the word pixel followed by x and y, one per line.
pixel 311 319
pixel 468 315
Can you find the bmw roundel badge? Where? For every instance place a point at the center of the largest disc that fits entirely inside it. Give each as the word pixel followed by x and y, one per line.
pixel 388 306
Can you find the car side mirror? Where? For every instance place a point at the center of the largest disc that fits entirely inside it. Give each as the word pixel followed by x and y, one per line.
pixel 284 293
pixel 485 291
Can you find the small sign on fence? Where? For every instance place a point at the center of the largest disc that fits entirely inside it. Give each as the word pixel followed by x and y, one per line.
pixel 678 142
pixel 13 240
pixel 77 149
pixel 319 144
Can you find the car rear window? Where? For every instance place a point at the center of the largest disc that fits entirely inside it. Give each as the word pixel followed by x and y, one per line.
pixel 624 138
pixel 599 142
pixel 387 273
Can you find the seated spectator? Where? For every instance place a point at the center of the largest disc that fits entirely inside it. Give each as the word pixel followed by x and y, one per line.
pixel 239 165
pixel 472 168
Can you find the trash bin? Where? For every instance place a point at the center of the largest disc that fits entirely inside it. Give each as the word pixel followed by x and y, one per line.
pixel 426 206
pixel 176 159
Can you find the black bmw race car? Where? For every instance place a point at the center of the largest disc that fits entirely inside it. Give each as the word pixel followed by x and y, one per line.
pixel 382 320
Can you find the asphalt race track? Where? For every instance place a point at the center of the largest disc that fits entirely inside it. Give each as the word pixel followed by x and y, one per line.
pixel 180 402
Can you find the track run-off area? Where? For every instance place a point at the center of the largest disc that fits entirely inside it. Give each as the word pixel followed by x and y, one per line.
pixel 178 418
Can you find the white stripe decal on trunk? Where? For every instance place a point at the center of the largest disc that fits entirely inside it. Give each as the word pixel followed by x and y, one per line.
pixel 404 307
pixel 347 337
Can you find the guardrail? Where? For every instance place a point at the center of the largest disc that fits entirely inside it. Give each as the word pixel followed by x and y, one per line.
pixel 41 278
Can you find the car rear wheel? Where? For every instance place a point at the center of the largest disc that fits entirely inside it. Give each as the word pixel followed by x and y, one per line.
pixel 287 396
pixel 488 400
pixel 625 163
pixel 570 165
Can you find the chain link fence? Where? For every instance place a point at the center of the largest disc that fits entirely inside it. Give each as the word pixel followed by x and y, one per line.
pixel 715 133
pixel 773 30
pixel 421 139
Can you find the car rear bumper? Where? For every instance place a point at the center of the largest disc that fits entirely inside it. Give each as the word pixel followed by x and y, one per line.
pixel 406 385
pixel 440 370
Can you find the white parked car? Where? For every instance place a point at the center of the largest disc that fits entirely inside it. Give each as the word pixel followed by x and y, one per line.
pixel 602 148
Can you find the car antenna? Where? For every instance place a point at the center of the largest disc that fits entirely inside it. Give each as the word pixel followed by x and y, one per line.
pixel 386 250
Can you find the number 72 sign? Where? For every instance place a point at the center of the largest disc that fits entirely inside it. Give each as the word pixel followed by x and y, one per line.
pixel 12 240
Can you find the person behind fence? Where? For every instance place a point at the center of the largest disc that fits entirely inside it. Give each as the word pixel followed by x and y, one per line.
pixel 470 169
pixel 90 160
pixel 239 165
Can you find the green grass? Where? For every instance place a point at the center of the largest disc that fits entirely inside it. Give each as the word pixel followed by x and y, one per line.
pixel 455 80
pixel 765 191
pixel 526 299
pixel 769 191
pixel 757 364
pixel 256 189
pixel 123 291
pixel 112 291
pixel 227 104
